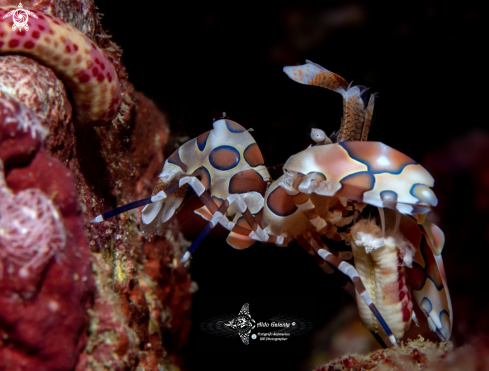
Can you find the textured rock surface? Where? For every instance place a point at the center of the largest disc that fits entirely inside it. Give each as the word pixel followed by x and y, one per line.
pixel 415 355
pixel 109 300
pixel 45 308
pixel 45 95
pixel 419 354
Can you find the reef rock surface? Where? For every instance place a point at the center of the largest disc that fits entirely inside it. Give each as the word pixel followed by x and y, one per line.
pixel 419 354
pixel 89 297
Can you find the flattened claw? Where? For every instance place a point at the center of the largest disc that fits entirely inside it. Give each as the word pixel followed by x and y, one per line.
pixel 150 211
pixel 309 183
pixel 439 322
pixel 327 188
pixel 430 286
pixel 167 210
pixel 436 236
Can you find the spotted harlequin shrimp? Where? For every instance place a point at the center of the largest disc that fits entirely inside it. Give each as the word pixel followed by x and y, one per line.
pixel 82 66
pixel 324 193
pixel 226 161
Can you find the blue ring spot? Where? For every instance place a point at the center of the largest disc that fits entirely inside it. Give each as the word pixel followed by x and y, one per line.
pixel 411 191
pixel 202 145
pixel 388 196
pixel 234 130
pixel 370 174
pixel 231 159
pixel 429 302
pixel 399 171
pixel 427 276
pixel 443 312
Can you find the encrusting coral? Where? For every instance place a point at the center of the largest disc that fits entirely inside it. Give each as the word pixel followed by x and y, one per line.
pixel 93 297
pixel 419 354
pixel 42 250
pixel 31 230
pixel 415 355
pixel 73 295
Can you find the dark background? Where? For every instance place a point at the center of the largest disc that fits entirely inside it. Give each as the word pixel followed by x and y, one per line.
pixel 196 59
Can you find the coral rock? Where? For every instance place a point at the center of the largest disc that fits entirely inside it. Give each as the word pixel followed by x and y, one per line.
pixel 126 302
pixel 415 355
pixel 43 314
pixel 419 354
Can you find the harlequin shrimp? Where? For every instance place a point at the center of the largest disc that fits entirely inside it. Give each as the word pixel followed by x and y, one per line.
pixel 321 195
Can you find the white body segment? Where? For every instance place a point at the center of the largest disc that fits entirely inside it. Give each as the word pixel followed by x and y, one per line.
pixel 227 161
pixel 326 192
pixel 383 277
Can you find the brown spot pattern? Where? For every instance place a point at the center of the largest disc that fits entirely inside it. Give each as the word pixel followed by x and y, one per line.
pixel 202 140
pixel 253 156
pixel 175 159
pixel 368 117
pixel 234 127
pixel 353 118
pixel 329 80
pixel 224 158
pixel 247 181
pixel 354 186
pixel 205 177
pixel 280 203
pixel 377 156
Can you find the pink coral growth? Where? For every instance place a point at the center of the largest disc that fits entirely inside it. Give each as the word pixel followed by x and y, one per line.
pixel 31 230
pixel 17 112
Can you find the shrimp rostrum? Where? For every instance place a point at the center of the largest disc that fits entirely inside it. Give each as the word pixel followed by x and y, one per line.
pixel 323 195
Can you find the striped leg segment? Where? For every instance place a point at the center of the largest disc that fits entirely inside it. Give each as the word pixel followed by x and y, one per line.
pixel 350 271
pixel 160 196
pixel 194 182
pixel 345 284
pixel 219 217
pixel 303 202
pixel 257 232
pixel 216 218
pixel 299 191
pixel 320 261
